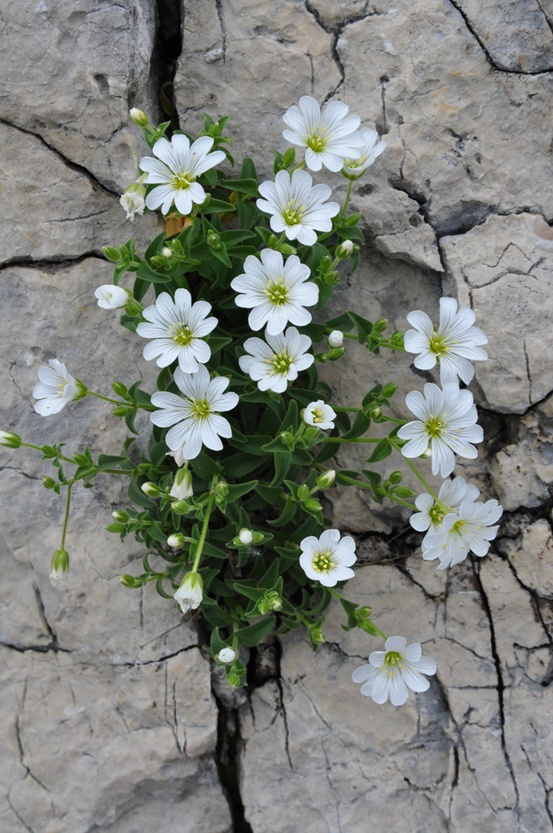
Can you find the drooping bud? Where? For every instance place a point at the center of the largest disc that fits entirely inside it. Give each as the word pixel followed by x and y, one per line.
pixel 190 593
pixel 119 516
pixel 130 581
pixel 60 566
pixel 336 338
pixel 176 541
pixel 139 117
pixel 9 439
pixel 182 485
pixel 226 655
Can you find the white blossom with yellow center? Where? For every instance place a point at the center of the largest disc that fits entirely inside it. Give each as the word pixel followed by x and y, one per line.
pixel 178 328
pixel 55 388
pixel 470 528
pixel 327 136
pixel 319 415
pixel 392 672
pixel 278 360
pixel 276 290
pixel 370 150
pixel 297 207
pixel 328 559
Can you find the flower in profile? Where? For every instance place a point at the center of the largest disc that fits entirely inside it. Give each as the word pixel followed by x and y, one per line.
pixel 60 567
pixel 112 297
pixel 178 456
pixel 175 172
pixel 469 529
pixel 328 559
pixel 326 135
pixel 446 423
pixel 190 593
pixel 276 291
pixel 9 439
pixel 277 361
pixel 56 388
pixel 454 343
pixel 319 415
pixel 298 207
pixel 369 152
pixel 133 199
pixel 182 484
pixel 195 417
pixel 431 512
pixel 392 672
pixel 178 328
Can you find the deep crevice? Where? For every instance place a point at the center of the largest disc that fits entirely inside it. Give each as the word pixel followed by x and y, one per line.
pixel 165 56
pixel 227 759
pixel 52 264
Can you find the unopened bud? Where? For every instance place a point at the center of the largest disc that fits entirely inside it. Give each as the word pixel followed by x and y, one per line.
pixel 151 489
pixel 336 338
pixel 326 479
pixel 213 240
pixel 181 507
pixel 139 117
pixel 48 482
pixel 233 680
pixel 166 252
pixel 175 541
pixel 226 655
pixel 60 566
pixel 316 635
pixel 9 439
pixel 345 249
pixel 376 412
pixel 246 536
pixel 130 581
pixel 312 505
pixel 119 388
pixel 119 516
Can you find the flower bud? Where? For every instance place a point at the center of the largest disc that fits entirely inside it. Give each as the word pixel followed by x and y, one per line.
pixel 233 680
pixel 246 536
pixel 181 507
pixel 119 516
pixel 119 388
pixel 190 593
pixel 376 412
pixel 166 252
pixel 182 485
pixel 316 635
pixel 60 566
pixel 176 541
pixel 130 581
pixel 110 296
pixel 134 307
pixel 151 489
pixel 326 479
pixel 48 482
pixel 345 249
pixel 9 439
pixel 139 117
pixel 226 655
pixel 312 505
pixel 213 240
pixel 336 338
pixel 221 491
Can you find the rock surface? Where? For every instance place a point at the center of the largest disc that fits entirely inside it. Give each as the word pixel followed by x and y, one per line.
pixel 107 688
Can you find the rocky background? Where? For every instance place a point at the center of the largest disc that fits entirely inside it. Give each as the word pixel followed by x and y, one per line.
pixel 109 718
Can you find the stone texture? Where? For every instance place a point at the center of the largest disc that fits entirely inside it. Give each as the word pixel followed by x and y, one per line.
pixel 508 258
pixel 107 719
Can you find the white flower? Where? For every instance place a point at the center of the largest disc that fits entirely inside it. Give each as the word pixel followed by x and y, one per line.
pixel 336 338
pixel 190 593
pixel 175 171
pixel 179 457
pixel 446 423
pixel 276 291
pixel 452 494
pixel 297 206
pixel 245 536
pixel 327 136
pixel 60 567
pixel 195 418
pixel 226 655
pixel 112 297
pixel 182 485
pixel 452 343
pixel 392 672
pixel 177 328
pixel 471 528
pixel 277 361
pixel 319 415
pixel 368 153
pixel 55 388
pixel 133 199
pixel 328 559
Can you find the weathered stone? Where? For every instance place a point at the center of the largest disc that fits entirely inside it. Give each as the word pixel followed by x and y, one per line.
pixel 78 73
pixel 522 472
pixel 508 258
pixel 531 556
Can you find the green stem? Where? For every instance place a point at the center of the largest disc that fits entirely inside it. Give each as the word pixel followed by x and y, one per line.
pixel 203 533
pixel 297 167
pixel 121 401
pixel 417 473
pixel 66 517
pixel 386 343
pixel 346 202
pixel 393 419
pixel 359 440
pixel 59 456
pixel 354 482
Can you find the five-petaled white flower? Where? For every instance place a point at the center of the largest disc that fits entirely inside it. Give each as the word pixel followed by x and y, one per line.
pixel 55 388
pixel 112 297
pixel 369 153
pixel 276 291
pixel 446 423
pixel 454 343
pixel 451 495
pixel 327 136
pixel 471 528
pixel 298 207
pixel 133 198
pixel 177 328
pixel 277 361
pixel 393 671
pixel 319 415
pixel 328 559
pixel 195 418
pixel 175 171
pixel 190 593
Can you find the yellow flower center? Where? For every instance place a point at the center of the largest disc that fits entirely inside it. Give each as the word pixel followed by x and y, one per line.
pixel 277 292
pixel 201 409
pixel 438 345
pixel 317 415
pixel 355 163
pixel 435 427
pixel 436 514
pixel 293 213
pixel 183 180
pixel 322 562
pixel 281 363
pixel 181 334
pixel 316 142
pixel 458 527
pixel 392 659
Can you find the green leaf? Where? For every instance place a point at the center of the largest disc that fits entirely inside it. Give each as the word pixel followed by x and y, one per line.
pixel 244 186
pixel 282 463
pixel 362 325
pixel 382 450
pixel 254 634
pixel 248 171
pixel 146 273
pixel 236 490
pixel 360 425
pixel 216 206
